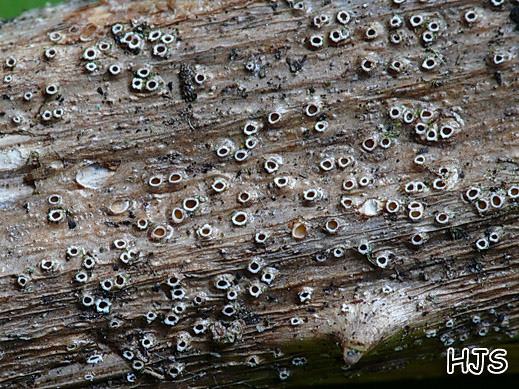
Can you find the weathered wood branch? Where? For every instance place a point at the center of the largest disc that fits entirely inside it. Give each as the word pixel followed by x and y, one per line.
pixel 243 206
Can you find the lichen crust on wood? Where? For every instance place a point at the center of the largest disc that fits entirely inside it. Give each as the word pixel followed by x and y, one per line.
pixel 255 193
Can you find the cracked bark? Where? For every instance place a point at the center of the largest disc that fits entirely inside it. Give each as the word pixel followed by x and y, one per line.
pixel 111 140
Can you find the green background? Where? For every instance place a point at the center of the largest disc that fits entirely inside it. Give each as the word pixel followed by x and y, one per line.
pixel 12 8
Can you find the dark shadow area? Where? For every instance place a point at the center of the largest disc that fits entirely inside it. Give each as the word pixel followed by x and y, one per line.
pixel 484 381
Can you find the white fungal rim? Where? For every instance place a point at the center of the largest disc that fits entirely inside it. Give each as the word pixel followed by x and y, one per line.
pixel 442 218
pixel 497 200
pixel 251 128
pixel 90 53
pixel 50 53
pixel 439 184
pixel 190 204
pixel 345 161
pixel 240 218
pixel 299 230
pixel 482 205
pixel 471 16
pixel 51 89
pixel 142 224
pixel 244 197
pixel 73 251
pixel 382 260
pixel 419 160
pixel 161 232
pixel 418 239
pixel 433 26
pixel 87 300
pixel 332 226
pixel 446 131
pixel 347 202
pixel 396 21
pixel 255 290
pixel 364 247
pixel 223 151
pixel 416 20
pixel 364 181
pixel 160 50
pixel 392 206
pixel 371 32
pixel 89 262
pixel 261 237
pixel 219 185
pixel 241 155
pixel 175 177
pixel 56 215
pixel 152 85
pixel 369 144
pixel 316 41
pixel 81 277
pixel 312 109
pixel 229 310
pixel 349 184
pixel 251 142
pixel 311 194
pixel 327 164
pixel 120 244
pixel 55 199
pixel 367 65
pixel 205 232
pixel 281 182
pixel 513 192
pixel 416 214
pixel 255 265
pixel 115 69
pixel 429 63
pixel 343 17
pixel 321 126
pixel 395 112
pixel 200 78
pixel 482 244
pixel 91 67
pixel 274 117
pixel 472 193
pixel 268 276
pixel 427 36
pixel 155 181
pixel 271 165
pixel 408 116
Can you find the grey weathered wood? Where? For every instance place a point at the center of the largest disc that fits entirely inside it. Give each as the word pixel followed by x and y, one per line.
pixel 111 140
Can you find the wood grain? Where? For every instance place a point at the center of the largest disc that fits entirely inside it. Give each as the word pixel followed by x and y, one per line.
pixel 113 140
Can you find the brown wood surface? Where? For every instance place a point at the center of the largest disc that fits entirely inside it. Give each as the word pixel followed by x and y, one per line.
pixel 100 155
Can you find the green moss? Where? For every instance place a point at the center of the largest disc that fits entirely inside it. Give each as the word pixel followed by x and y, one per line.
pixel 13 8
pixel 411 355
pixel 393 130
pixel 404 356
pixel 325 363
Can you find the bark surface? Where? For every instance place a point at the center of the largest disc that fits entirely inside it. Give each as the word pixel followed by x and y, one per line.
pixel 94 176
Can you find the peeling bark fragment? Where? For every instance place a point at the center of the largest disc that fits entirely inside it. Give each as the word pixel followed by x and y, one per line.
pixel 186 77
